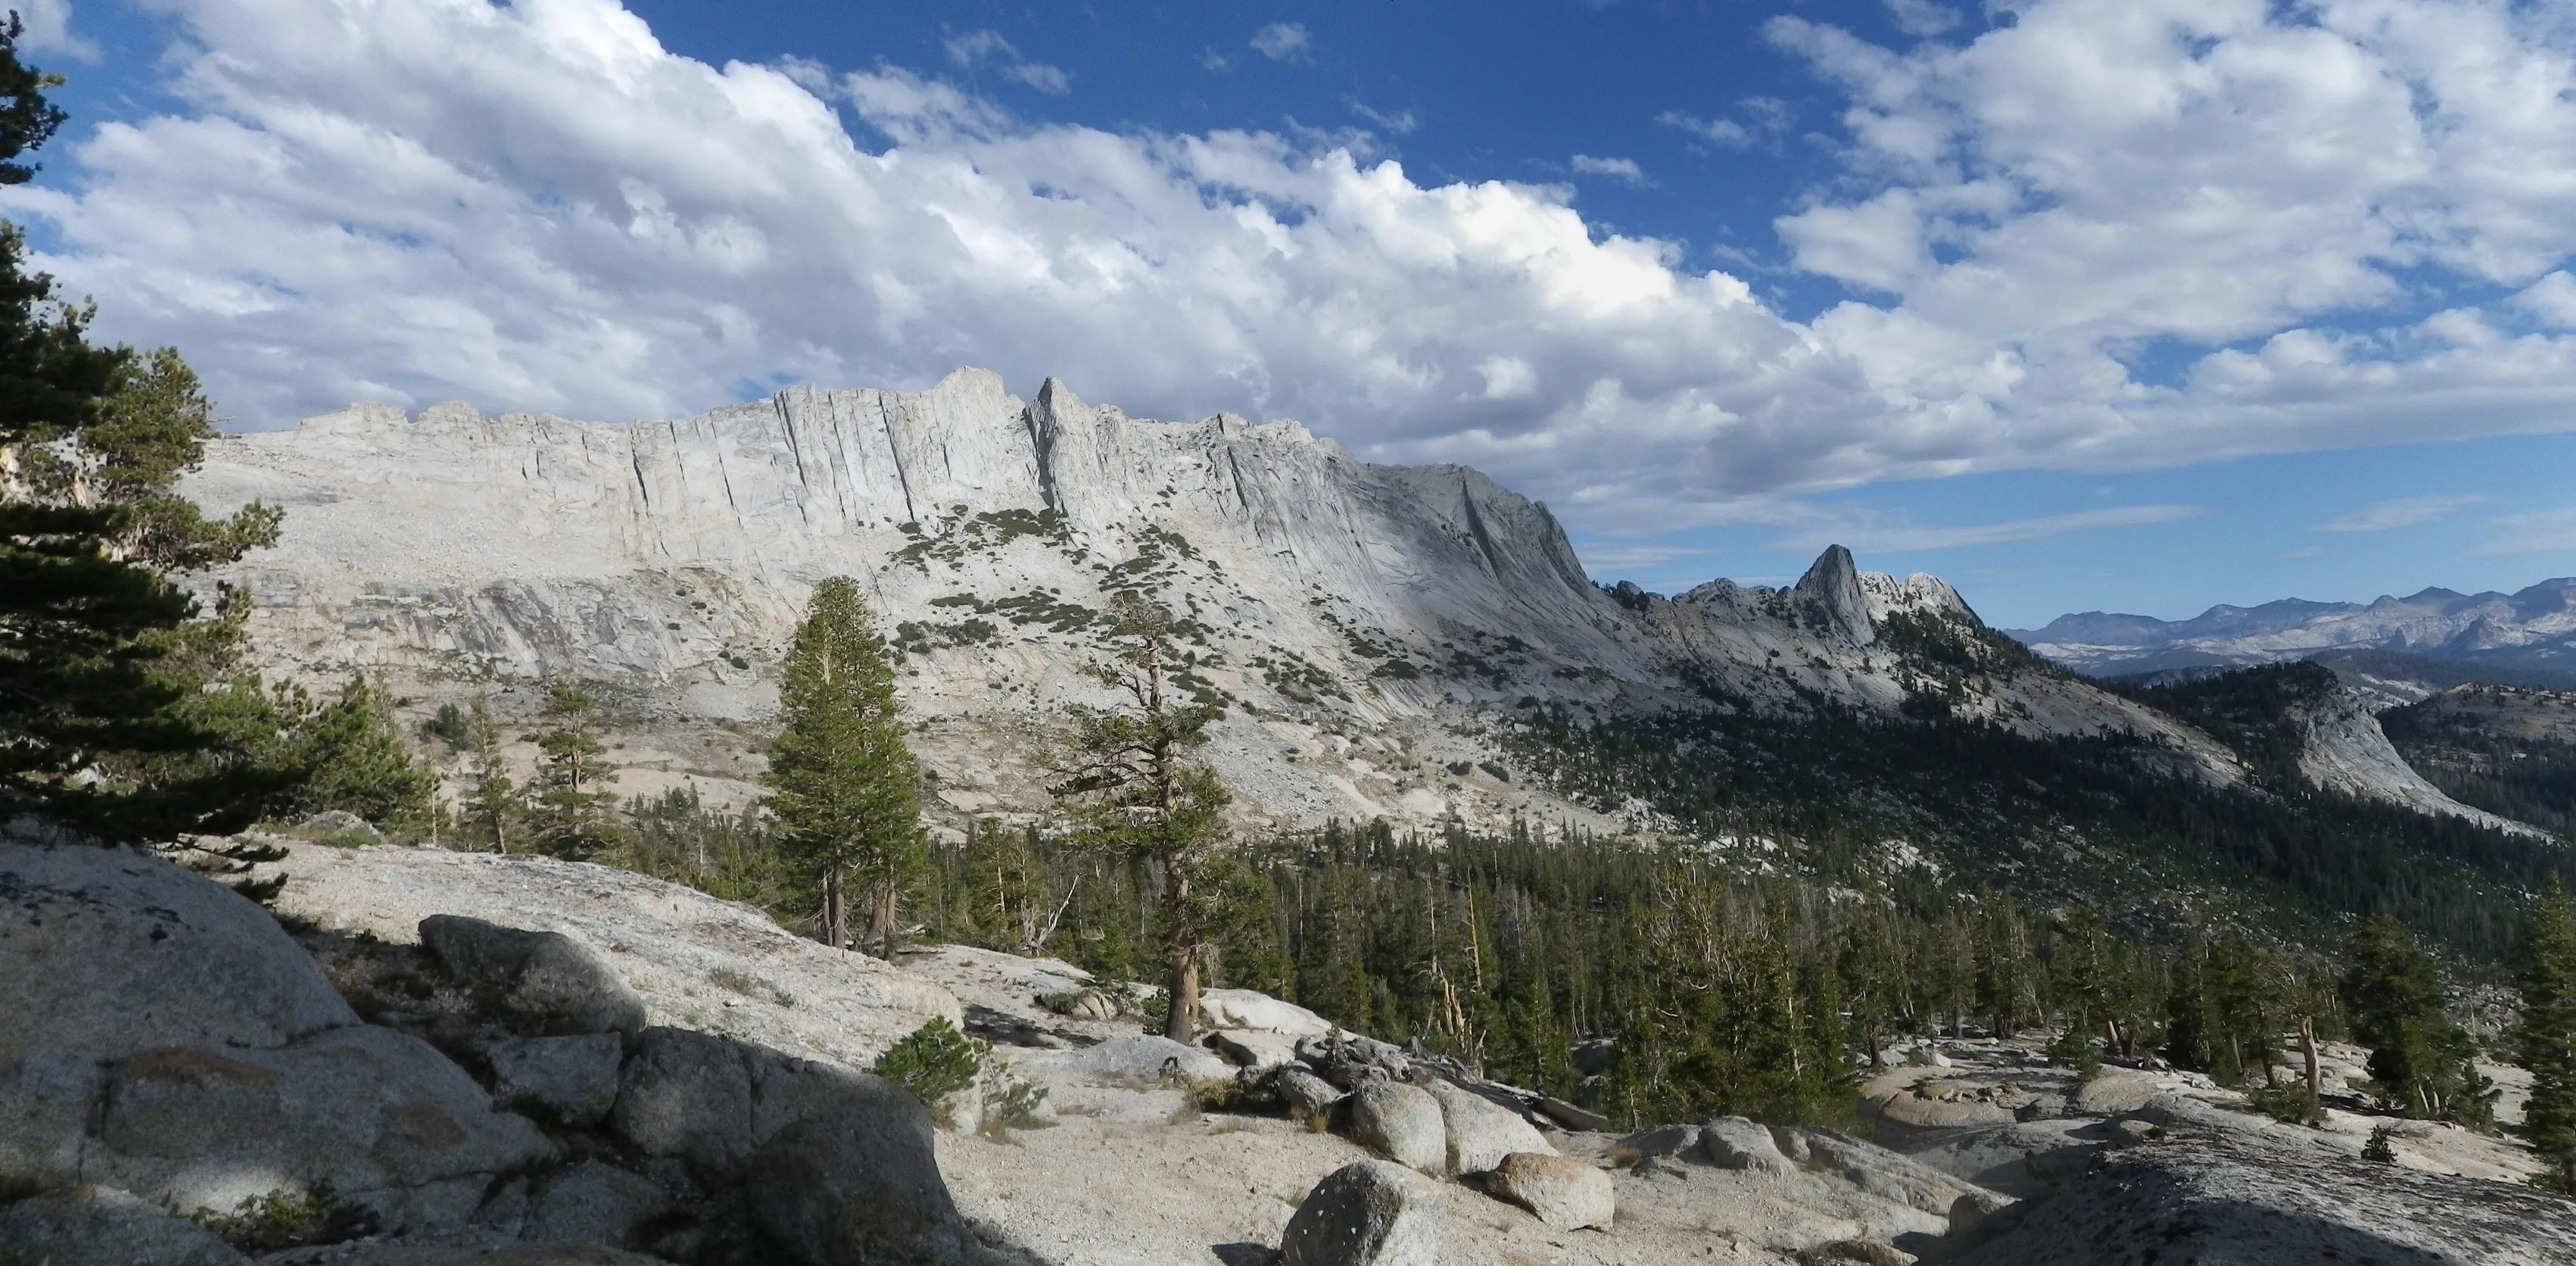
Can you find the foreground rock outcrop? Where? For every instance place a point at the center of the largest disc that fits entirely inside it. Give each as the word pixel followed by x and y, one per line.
pixel 694 961
pixel 185 1058
pixel 2225 1197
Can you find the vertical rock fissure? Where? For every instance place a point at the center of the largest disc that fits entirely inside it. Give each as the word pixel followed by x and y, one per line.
pixel 1476 527
pixel 902 477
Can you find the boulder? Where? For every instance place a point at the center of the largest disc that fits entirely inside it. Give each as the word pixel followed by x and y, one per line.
pixel 2246 1197
pixel 1305 1093
pixel 1256 1049
pixel 383 1120
pixel 1367 1213
pixel 1926 1055
pixel 1347 1059
pixel 1397 1121
pixel 1559 1191
pixel 122 952
pixel 1481 1132
pixel 713 1102
pixel 96 1226
pixel 859 1187
pixel 699 962
pixel 1661 1140
pixel 547 983
pixel 1736 1143
pixel 1571 1116
pixel 2115 1094
pixel 1138 1059
pixel 1247 1009
pixel 570 1080
pixel 592 1203
pixel 1885 1174
pixel 1971 1210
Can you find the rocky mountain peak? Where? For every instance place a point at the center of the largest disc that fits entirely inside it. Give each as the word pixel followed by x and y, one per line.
pixel 1832 585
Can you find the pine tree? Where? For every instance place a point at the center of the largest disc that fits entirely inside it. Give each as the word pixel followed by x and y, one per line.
pixel 495 807
pixel 353 758
pixel 2544 1033
pixel 2080 980
pixel 2188 1030
pixel 841 780
pixel 2419 1059
pixel 2003 965
pixel 1137 789
pixel 1872 977
pixel 575 815
pixel 104 661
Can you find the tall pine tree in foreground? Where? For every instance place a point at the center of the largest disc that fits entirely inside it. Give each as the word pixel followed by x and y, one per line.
pixel 2544 1035
pixel 106 668
pixel 841 780
pixel 1132 776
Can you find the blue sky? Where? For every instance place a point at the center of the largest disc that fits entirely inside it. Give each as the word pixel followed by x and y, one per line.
pixel 2080 304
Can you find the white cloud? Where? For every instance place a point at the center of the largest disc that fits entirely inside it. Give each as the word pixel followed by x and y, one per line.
pixel 2552 299
pixel 1044 78
pixel 1281 41
pixel 1922 18
pixel 2402 512
pixel 536 206
pixel 1726 132
pixel 2538 532
pixel 1872 535
pixel 974 47
pixel 1624 170
pixel 1507 377
pixel 1399 123
pixel 49 30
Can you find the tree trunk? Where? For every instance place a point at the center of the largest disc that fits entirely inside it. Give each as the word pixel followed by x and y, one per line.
pixel 881 920
pixel 2308 1049
pixel 1182 1018
pixel 836 915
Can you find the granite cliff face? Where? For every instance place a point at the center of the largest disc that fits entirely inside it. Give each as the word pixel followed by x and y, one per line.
pixel 1371 624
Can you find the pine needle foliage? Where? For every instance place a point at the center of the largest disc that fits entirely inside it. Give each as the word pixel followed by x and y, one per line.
pixel 575 814
pixel 2419 1059
pixel 1137 790
pixel 106 664
pixel 2544 1033
pixel 846 818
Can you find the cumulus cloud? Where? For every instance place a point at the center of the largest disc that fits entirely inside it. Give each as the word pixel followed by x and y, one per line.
pixel 2552 299
pixel 536 206
pixel 2402 512
pixel 1282 41
pixel 1624 170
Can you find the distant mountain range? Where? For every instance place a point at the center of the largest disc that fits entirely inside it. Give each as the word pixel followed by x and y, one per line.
pixel 2526 634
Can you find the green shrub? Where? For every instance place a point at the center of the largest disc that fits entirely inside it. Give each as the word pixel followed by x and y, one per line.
pixel 2292 1103
pixel 933 1062
pixel 2377 1149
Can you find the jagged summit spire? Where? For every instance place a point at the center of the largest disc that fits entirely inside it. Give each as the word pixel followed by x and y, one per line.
pixel 1833 584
